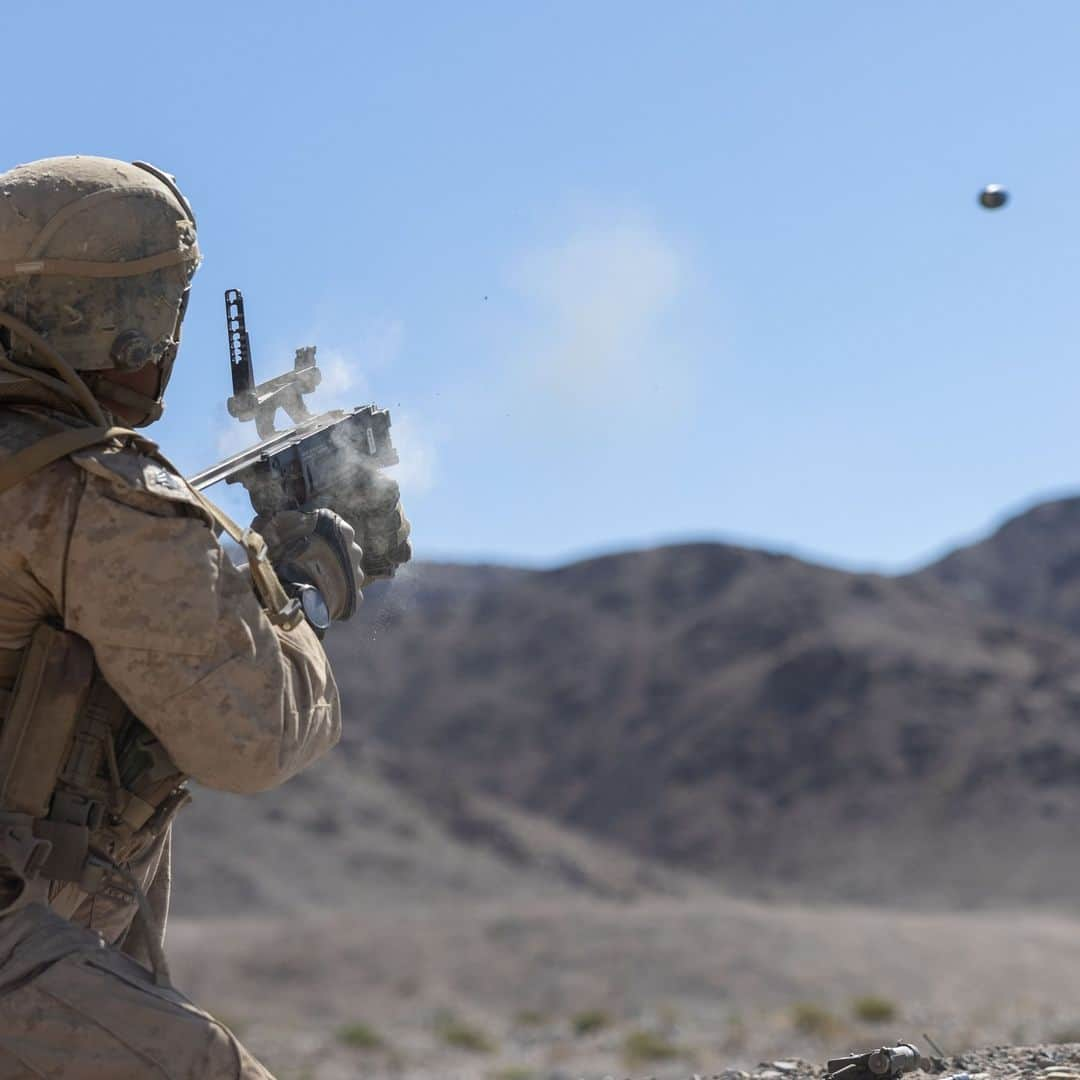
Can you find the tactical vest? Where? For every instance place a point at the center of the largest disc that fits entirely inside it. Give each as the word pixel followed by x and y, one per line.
pixel 84 786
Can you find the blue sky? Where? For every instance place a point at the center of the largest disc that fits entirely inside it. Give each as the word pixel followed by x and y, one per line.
pixel 622 272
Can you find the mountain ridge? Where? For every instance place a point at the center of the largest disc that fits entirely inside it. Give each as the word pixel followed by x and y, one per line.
pixel 721 708
pixel 781 728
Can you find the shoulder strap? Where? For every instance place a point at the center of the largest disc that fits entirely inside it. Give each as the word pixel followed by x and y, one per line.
pixel 21 466
pixel 281 609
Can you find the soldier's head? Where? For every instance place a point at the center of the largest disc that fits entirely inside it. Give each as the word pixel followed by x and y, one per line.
pixel 96 259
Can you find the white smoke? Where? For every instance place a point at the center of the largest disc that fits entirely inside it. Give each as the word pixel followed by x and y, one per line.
pixel 346 384
pixel 601 301
pixel 344 381
pixel 346 370
pixel 232 437
pixel 417 471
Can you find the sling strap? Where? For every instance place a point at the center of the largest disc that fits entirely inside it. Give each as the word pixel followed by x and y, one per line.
pixel 21 466
pixel 281 609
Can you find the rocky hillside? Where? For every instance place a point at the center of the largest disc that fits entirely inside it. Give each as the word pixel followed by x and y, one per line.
pixel 1029 568
pixel 520 863
pixel 778 727
pixel 784 727
pixel 369 836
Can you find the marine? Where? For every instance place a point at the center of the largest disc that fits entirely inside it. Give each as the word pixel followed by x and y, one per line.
pixel 134 655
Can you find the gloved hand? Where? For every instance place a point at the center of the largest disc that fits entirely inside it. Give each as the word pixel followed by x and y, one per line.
pixel 374 507
pixel 319 549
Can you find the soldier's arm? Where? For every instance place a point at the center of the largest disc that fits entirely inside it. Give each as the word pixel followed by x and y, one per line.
pixel 239 704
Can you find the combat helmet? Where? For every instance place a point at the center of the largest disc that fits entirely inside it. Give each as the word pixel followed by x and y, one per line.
pixel 96 260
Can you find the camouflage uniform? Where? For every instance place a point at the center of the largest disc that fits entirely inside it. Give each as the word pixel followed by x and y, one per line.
pixel 110 544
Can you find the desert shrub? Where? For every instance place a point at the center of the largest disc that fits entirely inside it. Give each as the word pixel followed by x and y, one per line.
pixel 640 1047
pixel 667 1016
pixel 359 1036
pixel 590 1021
pixel 529 1018
pixel 874 1009
pixel 514 1072
pixel 1068 1034
pixel 462 1036
pixel 735 1038
pixel 812 1019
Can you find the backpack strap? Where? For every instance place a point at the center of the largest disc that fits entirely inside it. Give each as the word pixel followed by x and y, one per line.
pixel 21 466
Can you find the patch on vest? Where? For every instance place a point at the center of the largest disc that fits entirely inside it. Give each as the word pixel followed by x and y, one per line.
pixel 137 472
pixel 162 478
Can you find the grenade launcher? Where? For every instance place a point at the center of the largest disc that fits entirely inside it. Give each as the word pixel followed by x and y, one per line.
pixel 330 461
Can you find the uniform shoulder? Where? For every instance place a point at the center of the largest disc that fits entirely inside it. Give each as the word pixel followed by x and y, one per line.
pixel 139 477
pixel 126 471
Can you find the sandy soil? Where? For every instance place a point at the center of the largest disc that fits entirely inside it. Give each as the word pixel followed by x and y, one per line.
pixel 559 989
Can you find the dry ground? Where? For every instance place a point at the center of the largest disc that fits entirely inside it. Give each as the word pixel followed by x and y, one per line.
pixel 579 987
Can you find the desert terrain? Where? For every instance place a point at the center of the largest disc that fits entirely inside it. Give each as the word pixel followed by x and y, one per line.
pixel 667 812
pixel 575 987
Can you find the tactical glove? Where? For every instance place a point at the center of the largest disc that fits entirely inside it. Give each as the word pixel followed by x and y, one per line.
pixel 316 549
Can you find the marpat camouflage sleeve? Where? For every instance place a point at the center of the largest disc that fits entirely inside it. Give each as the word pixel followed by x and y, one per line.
pixel 239 704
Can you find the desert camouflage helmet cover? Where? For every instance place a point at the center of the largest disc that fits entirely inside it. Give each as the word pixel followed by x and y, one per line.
pixel 96 257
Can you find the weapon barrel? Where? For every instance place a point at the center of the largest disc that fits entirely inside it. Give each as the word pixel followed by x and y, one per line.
pixel 238 462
